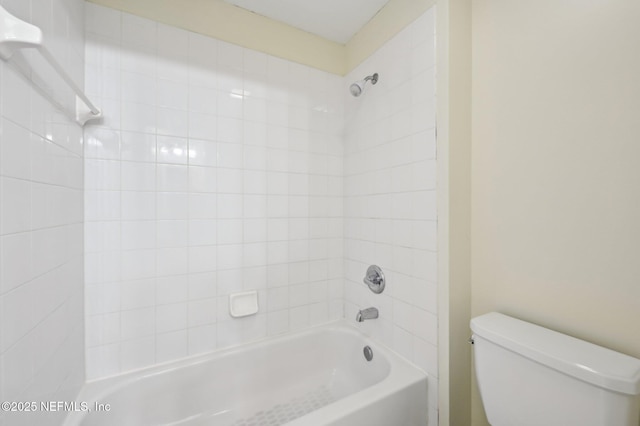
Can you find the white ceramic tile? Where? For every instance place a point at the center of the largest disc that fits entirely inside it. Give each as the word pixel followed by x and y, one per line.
pixel 202 286
pixel 277 322
pixel 203 153
pixel 202 339
pixel 255 278
pixel 203 74
pixel 138 176
pixel 103 361
pixel 101 143
pixel 138 117
pixel 229 281
pixel 255 230
pixel 230 104
pixel 138 264
pixel 255 109
pixel 255 157
pixel 172 150
pixel 202 206
pixel 255 133
pixel 15 257
pixel 229 333
pixel 203 99
pixel 277 299
pixel 230 256
pixel 172 261
pixel 14 90
pixel 172 205
pixel 202 125
pixel 138 294
pixel 230 155
pixel 173 68
pixel 229 80
pixel 229 231
pixel 138 234
pixel 103 298
pixel 16 205
pixel 137 205
pixel 138 147
pixel 103 329
pixel 299 317
pixel 171 346
pixel 171 317
pixel 203 232
pixel 137 353
pixel 202 179
pixel 229 206
pixel 16 366
pixel 17 318
pixel 202 312
pixel 255 182
pixel 172 233
pixel 255 206
pixel 202 259
pixel 171 290
pixel 229 181
pixel 138 88
pixel 137 323
pixel 318 313
pixel 172 178
pixel 15 151
pixel 230 130
pixel 254 254
pixel 173 122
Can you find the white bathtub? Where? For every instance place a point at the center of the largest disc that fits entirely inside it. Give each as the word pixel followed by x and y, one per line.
pixel 315 377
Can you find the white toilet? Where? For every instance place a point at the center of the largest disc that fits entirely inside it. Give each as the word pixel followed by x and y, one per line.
pixel 532 376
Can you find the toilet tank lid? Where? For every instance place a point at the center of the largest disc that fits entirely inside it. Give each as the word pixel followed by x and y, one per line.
pixel 583 360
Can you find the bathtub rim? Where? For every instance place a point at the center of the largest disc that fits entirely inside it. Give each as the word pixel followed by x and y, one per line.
pixel 402 373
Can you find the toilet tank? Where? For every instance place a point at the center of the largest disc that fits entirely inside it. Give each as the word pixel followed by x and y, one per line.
pixel 532 376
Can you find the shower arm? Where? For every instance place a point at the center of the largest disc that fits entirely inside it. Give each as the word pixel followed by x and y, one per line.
pixel 373 78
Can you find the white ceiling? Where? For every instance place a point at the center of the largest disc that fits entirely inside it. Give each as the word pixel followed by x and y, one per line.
pixel 336 20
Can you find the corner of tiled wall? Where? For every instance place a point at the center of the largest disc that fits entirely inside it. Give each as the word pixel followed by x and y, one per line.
pixel 41 231
pixel 390 196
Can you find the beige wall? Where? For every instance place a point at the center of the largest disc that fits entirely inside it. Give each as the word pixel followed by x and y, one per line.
pixel 454 209
pixel 218 19
pixel 391 19
pixel 556 166
pixel 226 22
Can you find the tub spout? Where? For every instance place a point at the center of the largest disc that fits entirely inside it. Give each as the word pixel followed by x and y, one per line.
pixel 365 314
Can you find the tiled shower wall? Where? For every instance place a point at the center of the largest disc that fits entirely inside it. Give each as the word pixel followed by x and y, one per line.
pixel 41 205
pixel 390 194
pixel 216 169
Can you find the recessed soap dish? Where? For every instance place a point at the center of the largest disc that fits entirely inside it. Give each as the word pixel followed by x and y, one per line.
pixel 243 304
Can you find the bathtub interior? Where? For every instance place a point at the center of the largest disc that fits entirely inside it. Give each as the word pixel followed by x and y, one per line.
pixel 268 383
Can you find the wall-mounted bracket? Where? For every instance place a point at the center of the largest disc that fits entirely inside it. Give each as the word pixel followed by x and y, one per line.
pixel 16 34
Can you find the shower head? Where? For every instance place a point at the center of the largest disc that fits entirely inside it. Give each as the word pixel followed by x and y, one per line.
pixel 357 88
